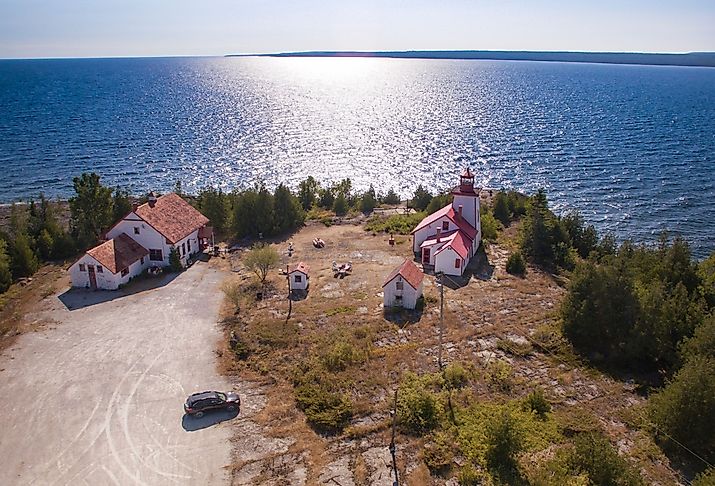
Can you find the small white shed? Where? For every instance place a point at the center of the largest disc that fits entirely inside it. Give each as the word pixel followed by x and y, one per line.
pixel 403 287
pixel 298 277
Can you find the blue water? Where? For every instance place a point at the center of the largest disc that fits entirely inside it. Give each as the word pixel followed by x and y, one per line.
pixel 631 147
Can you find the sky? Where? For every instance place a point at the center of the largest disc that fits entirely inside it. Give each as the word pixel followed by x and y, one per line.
pixel 108 28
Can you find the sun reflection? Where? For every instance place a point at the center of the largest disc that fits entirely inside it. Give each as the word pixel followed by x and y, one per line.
pixel 332 69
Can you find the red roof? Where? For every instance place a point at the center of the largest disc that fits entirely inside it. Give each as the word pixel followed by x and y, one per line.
pixel 171 216
pixel 409 272
pixel 467 173
pixel 299 267
pixel 118 253
pixel 448 211
pixel 460 243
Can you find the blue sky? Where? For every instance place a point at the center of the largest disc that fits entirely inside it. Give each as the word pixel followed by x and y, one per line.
pixel 91 28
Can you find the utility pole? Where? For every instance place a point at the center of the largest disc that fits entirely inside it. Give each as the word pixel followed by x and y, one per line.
pixel 393 447
pixel 440 275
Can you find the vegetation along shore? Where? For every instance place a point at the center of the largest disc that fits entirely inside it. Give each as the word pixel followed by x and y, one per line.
pixel 568 358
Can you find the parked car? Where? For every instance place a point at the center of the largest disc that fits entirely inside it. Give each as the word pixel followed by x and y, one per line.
pixel 198 403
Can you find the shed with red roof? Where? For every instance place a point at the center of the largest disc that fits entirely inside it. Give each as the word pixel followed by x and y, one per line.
pixel 403 286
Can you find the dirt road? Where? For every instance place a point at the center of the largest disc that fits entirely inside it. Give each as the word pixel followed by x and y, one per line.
pixel 97 398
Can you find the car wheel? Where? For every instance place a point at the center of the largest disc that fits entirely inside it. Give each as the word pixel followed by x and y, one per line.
pixel 231 408
pixel 199 414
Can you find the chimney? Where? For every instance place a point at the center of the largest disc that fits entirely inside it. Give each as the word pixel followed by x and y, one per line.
pixel 459 210
pixel 135 206
pixel 439 231
pixel 152 199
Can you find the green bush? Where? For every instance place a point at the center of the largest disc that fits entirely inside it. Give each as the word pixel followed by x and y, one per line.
pixel 391 198
pixel 501 209
pixel 175 261
pixel 341 355
pixel 516 265
pixel 684 408
pixel 418 407
pixel 504 441
pixel 398 224
pixel 490 226
pixel 471 476
pixel 537 403
pixel 596 457
pixel 500 375
pixel 318 394
pixel 340 206
pixel 455 376
pixel 438 452
pixel 706 478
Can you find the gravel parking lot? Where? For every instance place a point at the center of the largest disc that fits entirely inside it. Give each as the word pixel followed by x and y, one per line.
pixel 96 398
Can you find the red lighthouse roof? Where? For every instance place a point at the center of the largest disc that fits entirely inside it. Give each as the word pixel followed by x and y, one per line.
pixel 467 174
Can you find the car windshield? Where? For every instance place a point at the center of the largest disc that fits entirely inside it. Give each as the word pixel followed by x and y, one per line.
pixel 222 396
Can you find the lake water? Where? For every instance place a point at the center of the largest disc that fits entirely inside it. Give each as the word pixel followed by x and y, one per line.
pixel 631 147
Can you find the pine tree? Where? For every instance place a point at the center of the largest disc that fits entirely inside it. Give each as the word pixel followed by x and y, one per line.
pixel 5 272
pixel 501 209
pixel 288 214
pixel 91 208
pixel 340 206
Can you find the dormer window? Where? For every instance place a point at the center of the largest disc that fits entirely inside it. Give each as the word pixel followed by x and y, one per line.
pixel 445 225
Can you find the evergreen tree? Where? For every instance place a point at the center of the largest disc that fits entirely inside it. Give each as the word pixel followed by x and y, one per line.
pixel 308 192
pixel 244 214
pixel 501 209
pixel 537 234
pixel 421 199
pixel 264 212
pixel 340 206
pixel 288 213
pixel 5 272
pixel 368 200
pixel 91 208
pixel 391 197
pixel 24 261
pixel 213 204
pixel 326 199
pixel 121 204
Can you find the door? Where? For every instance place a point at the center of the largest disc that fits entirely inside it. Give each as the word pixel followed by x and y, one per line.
pixel 92 277
pixel 425 256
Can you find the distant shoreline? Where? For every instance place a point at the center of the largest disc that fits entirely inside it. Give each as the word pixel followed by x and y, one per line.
pixel 693 59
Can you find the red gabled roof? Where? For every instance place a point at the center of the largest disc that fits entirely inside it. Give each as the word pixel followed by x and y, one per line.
pixel 467 173
pixel 118 253
pixel 409 272
pixel 171 216
pixel 299 267
pixel 448 211
pixel 460 243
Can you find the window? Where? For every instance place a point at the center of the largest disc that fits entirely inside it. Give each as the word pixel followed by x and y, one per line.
pixel 298 278
pixel 188 246
pixel 125 272
pixel 82 267
pixel 100 269
pixel 457 263
pixel 399 285
pixel 141 261
pixel 445 225
pixel 183 248
pixel 136 230
pixel 155 255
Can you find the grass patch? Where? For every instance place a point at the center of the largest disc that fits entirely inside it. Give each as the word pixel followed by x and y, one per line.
pixel 344 309
pixel 517 349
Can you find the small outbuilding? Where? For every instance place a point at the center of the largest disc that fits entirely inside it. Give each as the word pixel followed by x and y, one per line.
pixel 298 276
pixel 403 287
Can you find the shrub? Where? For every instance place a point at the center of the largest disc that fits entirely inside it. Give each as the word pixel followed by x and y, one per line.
pixel 684 408
pixel 323 407
pixel 341 355
pixel 471 476
pixel 421 199
pixel 260 260
pixel 399 224
pixel 520 349
pixel 455 376
pixel 500 375
pixel 5 273
pixel 175 261
pixel 490 226
pixel 504 442
pixel 516 265
pixel 706 478
pixel 418 408
pixel 233 293
pixel 595 456
pixel 438 452
pixel 537 402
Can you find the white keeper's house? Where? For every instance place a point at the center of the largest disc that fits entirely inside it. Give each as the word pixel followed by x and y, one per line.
pixel 143 238
pixel 447 239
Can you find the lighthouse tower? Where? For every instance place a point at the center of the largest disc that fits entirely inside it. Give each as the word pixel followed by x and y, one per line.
pixel 466 200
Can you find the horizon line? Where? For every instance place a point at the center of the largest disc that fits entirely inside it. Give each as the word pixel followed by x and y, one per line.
pixel 347 51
